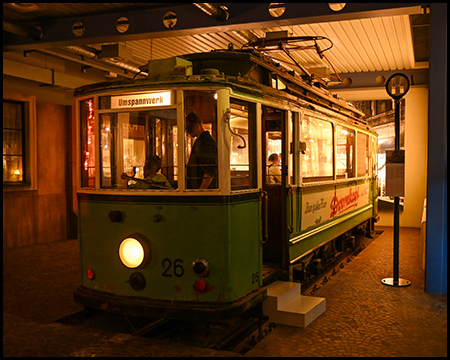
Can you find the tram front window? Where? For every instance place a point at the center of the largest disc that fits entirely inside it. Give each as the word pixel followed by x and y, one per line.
pixel 130 141
pixel 201 139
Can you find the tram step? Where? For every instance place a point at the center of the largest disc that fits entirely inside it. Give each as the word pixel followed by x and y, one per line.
pixel 285 305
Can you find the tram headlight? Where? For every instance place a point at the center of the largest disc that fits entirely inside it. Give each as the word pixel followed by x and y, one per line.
pixel 134 251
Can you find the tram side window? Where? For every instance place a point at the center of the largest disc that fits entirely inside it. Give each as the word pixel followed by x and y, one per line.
pixel 345 152
pixel 317 161
pixel 362 148
pixel 201 139
pixel 138 149
pixel 87 132
pixel 242 149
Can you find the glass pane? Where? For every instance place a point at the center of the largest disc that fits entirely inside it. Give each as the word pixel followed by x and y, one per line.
pixel 201 134
pixel 12 115
pixel 317 161
pixel 345 143
pixel 108 128
pixel 13 119
pixel 12 142
pixel 363 154
pixel 133 137
pixel 241 163
pixel 139 150
pixel 274 149
pixel 12 168
pixel 87 143
pixel 291 178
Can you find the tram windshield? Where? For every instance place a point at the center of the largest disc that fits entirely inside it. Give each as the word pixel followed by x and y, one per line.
pixel 138 149
pixel 201 139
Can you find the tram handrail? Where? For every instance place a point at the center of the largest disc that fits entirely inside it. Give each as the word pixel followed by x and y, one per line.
pixel 125 176
pixel 265 202
pixel 227 120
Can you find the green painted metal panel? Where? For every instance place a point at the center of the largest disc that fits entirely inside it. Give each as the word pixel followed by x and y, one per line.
pixel 215 232
pixel 313 238
pixel 245 249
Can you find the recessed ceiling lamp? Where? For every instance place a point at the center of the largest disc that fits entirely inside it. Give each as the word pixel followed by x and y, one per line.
pixel 336 6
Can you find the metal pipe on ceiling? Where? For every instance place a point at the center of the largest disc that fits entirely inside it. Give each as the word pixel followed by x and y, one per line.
pixel 219 13
pixel 35 33
pixel 93 53
pixel 90 59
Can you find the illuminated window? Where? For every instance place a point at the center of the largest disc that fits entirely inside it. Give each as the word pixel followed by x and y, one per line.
pixel 345 152
pixel 19 142
pixel 13 144
pixel 362 148
pixel 138 150
pixel 87 132
pixel 201 139
pixel 242 148
pixel 274 146
pixel 317 161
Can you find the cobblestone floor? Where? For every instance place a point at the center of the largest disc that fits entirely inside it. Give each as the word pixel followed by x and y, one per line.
pixel 38 282
pixel 363 317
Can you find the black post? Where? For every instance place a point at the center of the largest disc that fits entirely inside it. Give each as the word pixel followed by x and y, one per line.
pixel 396 198
pixel 397 86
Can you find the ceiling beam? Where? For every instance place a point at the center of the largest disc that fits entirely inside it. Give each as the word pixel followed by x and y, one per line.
pixel 148 23
pixel 375 79
pixel 45 77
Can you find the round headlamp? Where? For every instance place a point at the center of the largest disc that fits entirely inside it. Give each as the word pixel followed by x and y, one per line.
pixel 134 251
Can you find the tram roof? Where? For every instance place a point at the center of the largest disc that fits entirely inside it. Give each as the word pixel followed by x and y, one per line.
pixel 240 67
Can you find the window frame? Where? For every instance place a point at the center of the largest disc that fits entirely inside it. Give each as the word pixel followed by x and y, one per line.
pixel 106 109
pixel 117 146
pixel 304 180
pixel 29 160
pixel 367 154
pixel 250 143
pixel 353 175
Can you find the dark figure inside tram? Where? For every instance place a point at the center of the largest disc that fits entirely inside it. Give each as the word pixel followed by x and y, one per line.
pixel 202 164
pixel 153 178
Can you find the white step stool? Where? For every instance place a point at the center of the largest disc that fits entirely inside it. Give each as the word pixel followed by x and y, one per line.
pixel 286 305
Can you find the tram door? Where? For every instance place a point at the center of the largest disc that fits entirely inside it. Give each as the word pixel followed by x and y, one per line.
pixel 274 168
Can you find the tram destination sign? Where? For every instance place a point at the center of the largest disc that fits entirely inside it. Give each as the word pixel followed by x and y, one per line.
pixel 141 100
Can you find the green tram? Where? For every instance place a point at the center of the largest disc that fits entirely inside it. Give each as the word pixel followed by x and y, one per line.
pixel 179 251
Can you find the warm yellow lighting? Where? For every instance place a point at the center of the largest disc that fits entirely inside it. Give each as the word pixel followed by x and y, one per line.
pixel 17 172
pixel 131 253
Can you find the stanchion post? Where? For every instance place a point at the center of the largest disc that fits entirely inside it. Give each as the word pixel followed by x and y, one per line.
pixel 397 86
